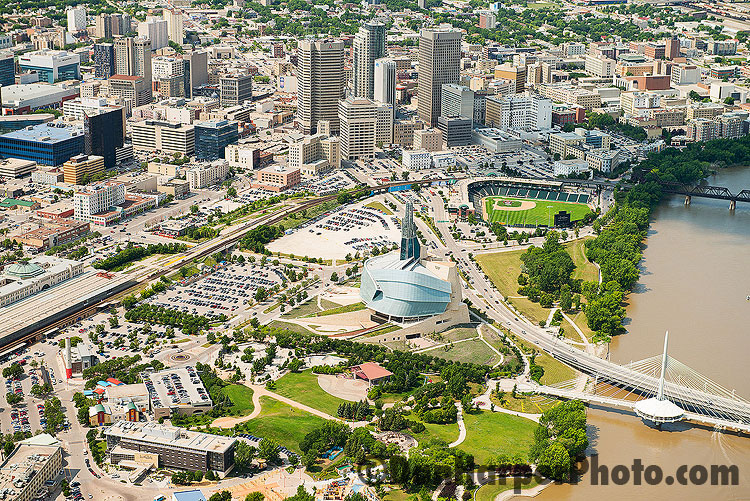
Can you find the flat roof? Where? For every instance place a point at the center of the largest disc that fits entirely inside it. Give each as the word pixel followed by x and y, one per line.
pixel 52 132
pixel 54 300
pixel 23 92
pixel 172 436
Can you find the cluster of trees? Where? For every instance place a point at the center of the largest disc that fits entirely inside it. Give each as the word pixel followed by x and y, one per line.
pixel 186 477
pixel 407 368
pixel 125 369
pixel 132 253
pixel 201 233
pixel 546 270
pixel 54 414
pixel 97 453
pixel 8 442
pixel 356 445
pixel 429 464
pixel 357 411
pixel 187 322
pixel 72 245
pixel 82 403
pixel 13 371
pixel 257 238
pixel 559 439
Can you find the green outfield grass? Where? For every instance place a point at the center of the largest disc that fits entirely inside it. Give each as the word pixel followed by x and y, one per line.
pixel 542 213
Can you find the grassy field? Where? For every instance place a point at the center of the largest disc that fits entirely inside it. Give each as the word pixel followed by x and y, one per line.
pixel 542 213
pixel 284 424
pixel 534 404
pixel 341 309
pixel 475 351
pixel 303 387
pixel 554 371
pixel 585 269
pixel 308 308
pixel 445 432
pixel 503 269
pixel 379 206
pixel 242 399
pixel 489 492
pixel 279 324
pixel 456 334
pixel 492 433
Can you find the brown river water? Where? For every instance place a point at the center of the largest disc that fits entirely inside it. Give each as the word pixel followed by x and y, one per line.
pixel 694 282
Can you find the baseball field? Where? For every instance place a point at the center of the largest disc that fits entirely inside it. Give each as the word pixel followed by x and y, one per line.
pixel 527 211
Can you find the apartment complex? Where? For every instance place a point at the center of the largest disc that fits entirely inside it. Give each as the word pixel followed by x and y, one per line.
pixel 207 174
pixel 316 154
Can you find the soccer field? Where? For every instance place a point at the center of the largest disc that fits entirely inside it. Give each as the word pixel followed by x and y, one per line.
pixel 529 211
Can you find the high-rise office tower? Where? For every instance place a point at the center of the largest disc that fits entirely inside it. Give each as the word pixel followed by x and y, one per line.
pixel 7 68
pixel 76 19
pixel 385 81
pixel 456 101
pixel 104 60
pixel 195 71
pixel 175 28
pixel 133 57
pixel 439 63
pixel 235 89
pixel 320 83
pixel 369 45
pixel 155 29
pixel 103 26
pixel 104 131
pixel 358 117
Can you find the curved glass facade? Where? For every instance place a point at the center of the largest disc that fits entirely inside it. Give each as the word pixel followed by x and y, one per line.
pixel 407 292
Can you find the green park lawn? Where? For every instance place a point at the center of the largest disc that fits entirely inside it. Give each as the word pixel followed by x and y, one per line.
pixel 303 387
pixel 493 433
pixel 445 432
pixel 282 423
pixel 473 350
pixel 379 206
pixel 242 399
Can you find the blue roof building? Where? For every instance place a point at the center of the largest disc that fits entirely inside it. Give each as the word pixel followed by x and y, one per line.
pixel 191 495
pixel 51 143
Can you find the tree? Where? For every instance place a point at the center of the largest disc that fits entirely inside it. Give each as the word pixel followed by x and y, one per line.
pixel 244 454
pixel 255 496
pixel 269 450
pixel 334 277
pixel 554 462
pixel 13 398
pixel 221 496
pixel 566 298
pixel 13 371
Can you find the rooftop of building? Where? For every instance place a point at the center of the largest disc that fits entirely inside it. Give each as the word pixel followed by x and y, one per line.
pixel 160 384
pixel 170 436
pixel 26 461
pixel 50 132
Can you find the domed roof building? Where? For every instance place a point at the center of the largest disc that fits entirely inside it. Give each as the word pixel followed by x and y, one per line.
pixel 405 286
pixel 25 278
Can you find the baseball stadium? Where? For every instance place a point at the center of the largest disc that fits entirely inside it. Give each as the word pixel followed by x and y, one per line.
pixel 522 203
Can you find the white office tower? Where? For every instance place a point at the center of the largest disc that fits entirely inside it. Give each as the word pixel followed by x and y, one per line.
pixel 320 83
pixel 369 45
pixel 519 111
pixel 155 29
pixel 175 27
pixel 439 63
pixel 76 19
pixel 457 101
pixel 358 117
pixel 385 80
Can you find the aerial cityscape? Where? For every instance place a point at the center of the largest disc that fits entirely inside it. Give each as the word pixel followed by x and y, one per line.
pixel 395 250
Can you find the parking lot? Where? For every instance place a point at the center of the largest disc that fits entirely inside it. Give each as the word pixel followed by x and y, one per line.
pixel 28 415
pixel 224 291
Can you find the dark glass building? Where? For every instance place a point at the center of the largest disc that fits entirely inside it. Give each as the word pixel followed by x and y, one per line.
pixel 212 137
pixel 52 143
pixel 7 69
pixel 104 131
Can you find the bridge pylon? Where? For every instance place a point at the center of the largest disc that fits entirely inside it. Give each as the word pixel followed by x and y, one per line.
pixel 658 409
pixel 688 199
pixel 732 204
